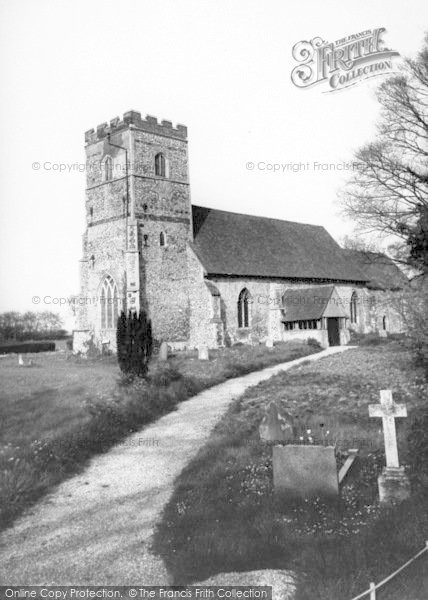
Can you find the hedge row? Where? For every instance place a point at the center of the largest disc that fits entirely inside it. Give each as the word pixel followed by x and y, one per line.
pixel 24 347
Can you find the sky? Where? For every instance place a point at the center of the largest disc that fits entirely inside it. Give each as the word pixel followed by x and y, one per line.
pixel 221 67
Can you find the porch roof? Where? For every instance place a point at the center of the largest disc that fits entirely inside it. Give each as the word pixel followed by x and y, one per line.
pixel 311 303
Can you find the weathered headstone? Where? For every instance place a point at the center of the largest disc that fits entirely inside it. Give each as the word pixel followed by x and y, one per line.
pixel 163 351
pixel 20 360
pixel 305 471
pixel 269 343
pixel 203 353
pixel 382 333
pixel 394 484
pixel 277 424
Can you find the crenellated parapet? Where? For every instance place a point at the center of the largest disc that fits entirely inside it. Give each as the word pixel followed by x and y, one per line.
pixel 133 118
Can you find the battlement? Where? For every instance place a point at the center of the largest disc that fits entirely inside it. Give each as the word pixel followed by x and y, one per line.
pixel 133 118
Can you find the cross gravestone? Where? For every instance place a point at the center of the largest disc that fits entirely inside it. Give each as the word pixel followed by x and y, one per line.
pixel 163 352
pixel 393 483
pixel 203 353
pixel 277 424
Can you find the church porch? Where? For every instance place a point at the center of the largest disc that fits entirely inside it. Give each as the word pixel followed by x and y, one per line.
pixel 316 312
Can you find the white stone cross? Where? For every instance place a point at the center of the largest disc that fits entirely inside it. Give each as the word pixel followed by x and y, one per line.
pixel 389 411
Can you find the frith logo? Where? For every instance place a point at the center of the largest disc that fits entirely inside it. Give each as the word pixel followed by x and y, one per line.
pixel 342 63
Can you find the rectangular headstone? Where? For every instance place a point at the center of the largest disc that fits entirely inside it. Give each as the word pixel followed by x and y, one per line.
pixel 203 353
pixel 305 471
pixel 163 351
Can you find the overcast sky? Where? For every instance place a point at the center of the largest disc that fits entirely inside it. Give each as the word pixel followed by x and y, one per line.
pixel 220 67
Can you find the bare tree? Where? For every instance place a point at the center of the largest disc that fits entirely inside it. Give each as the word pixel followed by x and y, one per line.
pixel 10 324
pixel 389 192
pixel 355 242
pixel 18 326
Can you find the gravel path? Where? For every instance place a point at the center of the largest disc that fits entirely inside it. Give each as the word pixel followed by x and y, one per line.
pixel 95 528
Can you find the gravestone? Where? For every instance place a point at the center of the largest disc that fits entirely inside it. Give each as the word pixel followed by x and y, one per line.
pixel 394 485
pixel 305 471
pixel 382 333
pixel 277 424
pixel 203 353
pixel 269 343
pixel 20 360
pixel 163 351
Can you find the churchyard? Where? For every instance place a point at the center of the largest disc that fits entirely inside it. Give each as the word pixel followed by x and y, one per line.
pixel 229 511
pixel 58 410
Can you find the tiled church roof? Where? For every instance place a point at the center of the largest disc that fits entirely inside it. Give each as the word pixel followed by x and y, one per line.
pixel 382 273
pixel 243 245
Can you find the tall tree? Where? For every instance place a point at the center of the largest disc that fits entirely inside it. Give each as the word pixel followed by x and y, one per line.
pixel 134 343
pixel 389 192
pixel 122 343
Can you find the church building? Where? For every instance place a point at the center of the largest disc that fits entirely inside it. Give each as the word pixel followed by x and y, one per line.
pixel 207 276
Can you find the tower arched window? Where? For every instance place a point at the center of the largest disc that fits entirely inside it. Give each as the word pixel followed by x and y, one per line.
pixel 244 301
pixel 108 168
pixel 162 239
pixel 160 165
pixel 353 308
pixel 109 303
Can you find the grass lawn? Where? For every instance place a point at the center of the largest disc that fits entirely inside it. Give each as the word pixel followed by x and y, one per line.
pixel 223 515
pixel 62 410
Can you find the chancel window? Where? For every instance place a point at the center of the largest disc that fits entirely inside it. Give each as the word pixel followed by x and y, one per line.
pixel 160 165
pixel 353 307
pixel 243 308
pixel 108 168
pixel 109 303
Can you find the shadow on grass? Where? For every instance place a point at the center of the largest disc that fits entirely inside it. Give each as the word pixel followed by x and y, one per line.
pixel 223 515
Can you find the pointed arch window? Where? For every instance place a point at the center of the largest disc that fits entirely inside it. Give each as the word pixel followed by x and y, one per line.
pixel 109 303
pixel 353 308
pixel 244 301
pixel 160 165
pixel 162 238
pixel 108 168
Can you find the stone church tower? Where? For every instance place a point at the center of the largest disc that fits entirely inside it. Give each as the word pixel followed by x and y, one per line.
pixel 138 225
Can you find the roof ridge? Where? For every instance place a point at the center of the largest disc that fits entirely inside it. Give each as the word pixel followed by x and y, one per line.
pixel 230 212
